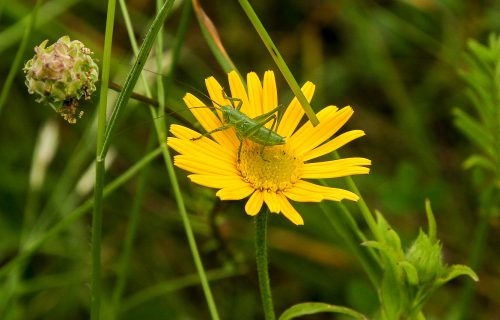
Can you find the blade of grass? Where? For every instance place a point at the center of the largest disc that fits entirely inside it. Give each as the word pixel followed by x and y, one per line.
pixel 16 64
pixel 134 73
pixel 34 244
pixel 280 62
pixel 161 134
pixel 213 40
pixel 162 289
pixel 363 207
pixel 130 236
pixel 95 286
pixel 340 223
pixel 47 13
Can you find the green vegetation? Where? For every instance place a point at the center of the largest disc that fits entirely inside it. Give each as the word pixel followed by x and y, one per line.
pixel 135 239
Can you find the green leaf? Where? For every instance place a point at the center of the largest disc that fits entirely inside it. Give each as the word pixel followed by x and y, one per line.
pixel 456 271
pixel 411 272
pixel 307 308
pixel 474 131
pixel 477 160
pixel 395 242
pixel 392 293
pixel 431 221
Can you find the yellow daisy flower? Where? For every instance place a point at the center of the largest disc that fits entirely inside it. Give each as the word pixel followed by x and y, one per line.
pixel 273 174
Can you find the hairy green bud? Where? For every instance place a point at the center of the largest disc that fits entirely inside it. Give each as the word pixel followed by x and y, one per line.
pixel 426 257
pixel 61 75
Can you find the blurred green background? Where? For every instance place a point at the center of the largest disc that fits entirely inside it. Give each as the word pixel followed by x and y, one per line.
pixel 395 62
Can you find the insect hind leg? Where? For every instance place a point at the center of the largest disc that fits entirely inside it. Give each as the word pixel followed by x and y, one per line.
pixel 275 119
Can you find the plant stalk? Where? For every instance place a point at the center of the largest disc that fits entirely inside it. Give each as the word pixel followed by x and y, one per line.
pixel 262 264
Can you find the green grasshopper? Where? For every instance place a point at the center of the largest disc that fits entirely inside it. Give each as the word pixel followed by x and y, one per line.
pixel 246 128
pixel 252 129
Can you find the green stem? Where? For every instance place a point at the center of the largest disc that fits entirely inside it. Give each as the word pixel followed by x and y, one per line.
pixel 161 134
pixel 280 62
pixel 476 256
pixel 95 288
pixel 130 236
pixel 363 207
pixel 262 264
pixel 340 223
pixel 135 73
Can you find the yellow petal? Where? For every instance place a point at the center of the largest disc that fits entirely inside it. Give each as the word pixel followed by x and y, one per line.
pixel 194 165
pixel 203 149
pixel 299 136
pixel 235 193
pixel 238 90
pixel 216 181
pixel 301 195
pixel 309 137
pixel 269 94
pixel 209 121
pixel 295 112
pixel 188 134
pixel 305 188
pixel 182 132
pixel 216 93
pixel 254 203
pixel 335 168
pixel 289 211
pixel 272 201
pixel 254 95
pixel 333 144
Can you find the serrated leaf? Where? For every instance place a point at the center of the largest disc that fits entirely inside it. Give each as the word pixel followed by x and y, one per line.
pixel 308 308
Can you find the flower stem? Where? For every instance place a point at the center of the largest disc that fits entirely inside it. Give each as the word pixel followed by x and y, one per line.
pixel 478 247
pixel 363 207
pixel 262 264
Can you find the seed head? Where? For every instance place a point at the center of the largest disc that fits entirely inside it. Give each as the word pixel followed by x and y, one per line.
pixel 61 75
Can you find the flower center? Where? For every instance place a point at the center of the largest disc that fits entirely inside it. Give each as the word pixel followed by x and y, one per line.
pixel 272 168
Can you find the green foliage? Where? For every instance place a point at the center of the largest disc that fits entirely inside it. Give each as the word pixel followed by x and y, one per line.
pixel 482 75
pixel 394 62
pixel 411 276
pixel 308 308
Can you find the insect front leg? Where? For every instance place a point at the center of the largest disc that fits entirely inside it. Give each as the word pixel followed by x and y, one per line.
pixel 239 102
pixel 221 128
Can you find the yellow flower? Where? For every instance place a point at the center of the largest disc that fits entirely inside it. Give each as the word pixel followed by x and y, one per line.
pixel 273 174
